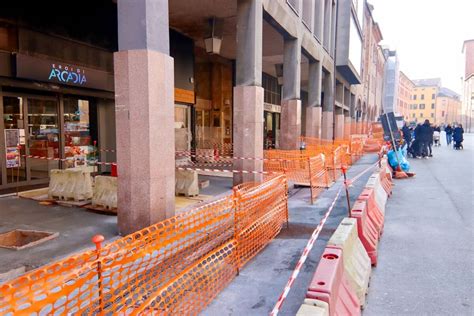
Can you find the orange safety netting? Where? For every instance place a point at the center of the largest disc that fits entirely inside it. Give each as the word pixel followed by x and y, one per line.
pixel 318 176
pixel 294 164
pixel 176 266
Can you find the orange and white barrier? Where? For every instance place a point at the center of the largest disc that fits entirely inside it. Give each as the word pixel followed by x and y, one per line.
pixel 311 307
pixel 330 285
pixel 356 260
pixel 368 233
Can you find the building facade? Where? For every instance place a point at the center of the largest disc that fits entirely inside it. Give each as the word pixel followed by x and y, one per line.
pixel 141 80
pixel 467 111
pixel 391 81
pixel 405 91
pixel 448 107
pixel 431 101
pixel 368 94
pixel 424 99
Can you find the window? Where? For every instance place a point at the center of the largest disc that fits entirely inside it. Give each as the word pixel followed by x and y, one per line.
pixel 422 96
pixel 307 14
pixel 415 106
pixel 432 114
pixel 414 97
pixel 272 90
pixel 413 115
pixel 442 114
pixel 432 105
pixel 422 106
pixel 421 114
pixel 433 96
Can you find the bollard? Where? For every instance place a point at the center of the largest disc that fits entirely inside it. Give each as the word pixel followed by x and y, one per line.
pixel 346 185
pixel 97 240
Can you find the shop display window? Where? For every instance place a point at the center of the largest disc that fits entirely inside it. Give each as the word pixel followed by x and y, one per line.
pixel 43 131
pixel 77 136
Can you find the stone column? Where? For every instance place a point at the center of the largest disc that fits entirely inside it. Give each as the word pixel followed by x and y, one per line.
pixel 352 115
pixel 144 105
pixel 290 126
pixel 313 110
pixel 248 93
pixel 339 126
pixel 347 125
pixel 327 126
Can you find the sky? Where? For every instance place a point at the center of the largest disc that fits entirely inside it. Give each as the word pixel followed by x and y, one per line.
pixel 428 36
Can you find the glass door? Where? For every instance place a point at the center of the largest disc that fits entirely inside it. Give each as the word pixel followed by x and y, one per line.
pixel 43 136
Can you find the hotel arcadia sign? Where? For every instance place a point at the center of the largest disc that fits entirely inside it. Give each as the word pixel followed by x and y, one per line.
pixel 67 74
pixel 41 69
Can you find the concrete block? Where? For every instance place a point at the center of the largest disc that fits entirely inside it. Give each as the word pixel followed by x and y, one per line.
pixel 105 192
pixel 187 182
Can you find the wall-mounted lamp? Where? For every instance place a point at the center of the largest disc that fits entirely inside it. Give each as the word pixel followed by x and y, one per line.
pixel 213 43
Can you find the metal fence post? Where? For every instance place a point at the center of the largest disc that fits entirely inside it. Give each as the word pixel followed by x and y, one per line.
pixel 346 185
pixel 97 240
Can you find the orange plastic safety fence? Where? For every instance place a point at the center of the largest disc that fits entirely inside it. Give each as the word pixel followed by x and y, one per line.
pixel 318 176
pixel 176 266
pixel 294 163
pixel 260 213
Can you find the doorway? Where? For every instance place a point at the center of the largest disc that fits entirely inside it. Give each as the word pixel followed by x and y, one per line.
pixel 36 120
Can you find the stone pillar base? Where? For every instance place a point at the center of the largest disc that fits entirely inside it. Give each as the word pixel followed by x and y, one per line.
pixel 248 132
pixel 290 124
pixel 339 132
pixel 347 127
pixel 327 125
pixel 313 121
pixel 144 105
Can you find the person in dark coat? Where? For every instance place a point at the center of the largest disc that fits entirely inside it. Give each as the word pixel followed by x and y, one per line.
pixel 406 134
pixel 458 137
pixel 426 137
pixel 430 140
pixel 449 134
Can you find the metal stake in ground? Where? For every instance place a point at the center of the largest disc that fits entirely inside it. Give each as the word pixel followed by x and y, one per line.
pixel 97 240
pixel 346 185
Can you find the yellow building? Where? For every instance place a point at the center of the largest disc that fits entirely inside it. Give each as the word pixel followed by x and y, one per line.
pixel 431 101
pixel 424 100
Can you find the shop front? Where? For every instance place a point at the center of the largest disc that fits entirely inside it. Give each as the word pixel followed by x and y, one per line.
pixel 49 113
pixel 271 125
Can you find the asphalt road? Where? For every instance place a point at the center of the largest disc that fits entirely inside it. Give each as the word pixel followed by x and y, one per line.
pixel 425 264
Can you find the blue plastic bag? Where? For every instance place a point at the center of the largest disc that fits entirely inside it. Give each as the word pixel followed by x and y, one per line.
pixel 392 159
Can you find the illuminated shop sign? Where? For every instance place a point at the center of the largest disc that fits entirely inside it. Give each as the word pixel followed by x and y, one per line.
pixel 41 69
pixel 67 74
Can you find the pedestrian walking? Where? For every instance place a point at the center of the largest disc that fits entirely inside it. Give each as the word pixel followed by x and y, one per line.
pixel 458 137
pixel 449 134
